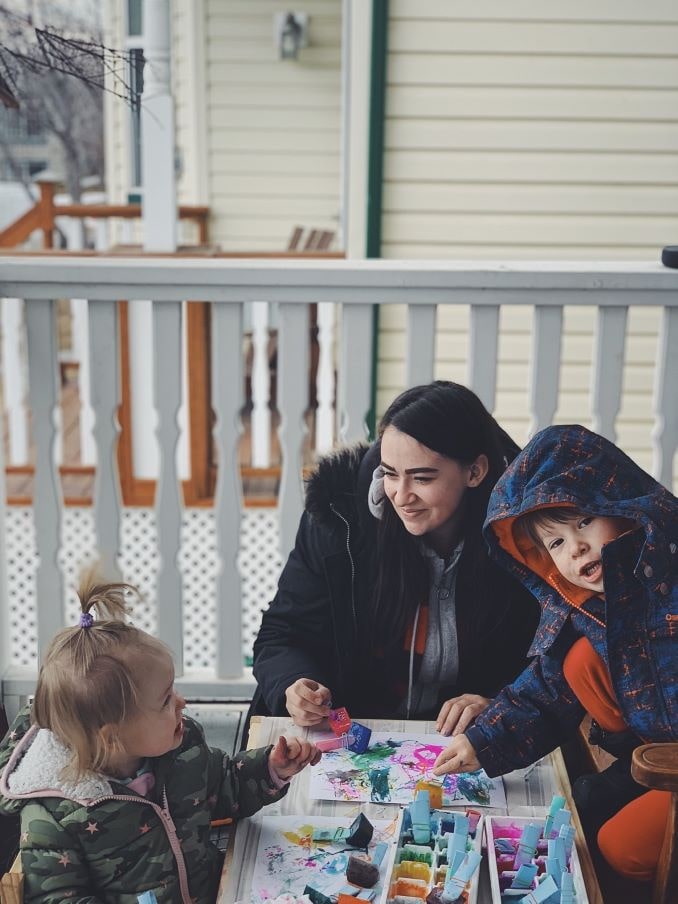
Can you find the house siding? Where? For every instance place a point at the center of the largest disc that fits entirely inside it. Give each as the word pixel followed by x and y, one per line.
pixel 522 130
pixel 274 136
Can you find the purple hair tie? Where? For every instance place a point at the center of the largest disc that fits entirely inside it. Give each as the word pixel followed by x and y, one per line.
pixel 86 620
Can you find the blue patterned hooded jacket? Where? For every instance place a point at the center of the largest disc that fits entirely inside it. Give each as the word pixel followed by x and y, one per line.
pixel 634 629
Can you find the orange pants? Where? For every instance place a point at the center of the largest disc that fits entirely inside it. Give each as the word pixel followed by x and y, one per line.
pixel 631 840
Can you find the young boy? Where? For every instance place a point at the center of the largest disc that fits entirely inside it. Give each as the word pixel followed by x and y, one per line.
pixel 595 539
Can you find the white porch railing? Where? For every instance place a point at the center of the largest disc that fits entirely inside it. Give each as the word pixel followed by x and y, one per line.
pixel 356 286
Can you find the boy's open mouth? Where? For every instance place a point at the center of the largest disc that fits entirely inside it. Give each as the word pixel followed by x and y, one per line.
pixel 591 571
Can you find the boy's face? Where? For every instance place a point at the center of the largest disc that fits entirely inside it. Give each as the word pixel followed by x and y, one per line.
pixel 576 547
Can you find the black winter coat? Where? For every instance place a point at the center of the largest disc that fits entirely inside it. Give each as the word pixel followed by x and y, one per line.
pixel 313 626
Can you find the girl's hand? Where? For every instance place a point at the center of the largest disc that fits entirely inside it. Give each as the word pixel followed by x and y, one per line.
pixel 460 756
pixel 291 755
pixel 456 714
pixel 307 702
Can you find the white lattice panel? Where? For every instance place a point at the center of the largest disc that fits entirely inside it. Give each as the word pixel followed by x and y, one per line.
pixel 259 563
pixel 22 560
pixel 138 563
pixel 77 553
pixel 198 563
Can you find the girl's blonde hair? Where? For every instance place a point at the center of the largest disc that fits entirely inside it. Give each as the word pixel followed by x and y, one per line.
pixel 92 675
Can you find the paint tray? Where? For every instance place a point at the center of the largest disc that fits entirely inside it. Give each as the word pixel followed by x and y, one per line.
pixel 433 863
pixel 510 827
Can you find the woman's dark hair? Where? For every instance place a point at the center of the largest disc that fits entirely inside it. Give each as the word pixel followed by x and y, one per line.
pixel 452 421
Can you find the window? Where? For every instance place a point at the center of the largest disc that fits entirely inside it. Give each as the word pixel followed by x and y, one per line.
pixel 136 81
pixel 134 19
pixel 135 48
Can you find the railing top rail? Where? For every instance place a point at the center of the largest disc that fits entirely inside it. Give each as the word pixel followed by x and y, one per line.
pixel 361 281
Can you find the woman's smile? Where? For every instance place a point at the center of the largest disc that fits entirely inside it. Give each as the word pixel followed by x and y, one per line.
pixel 426 489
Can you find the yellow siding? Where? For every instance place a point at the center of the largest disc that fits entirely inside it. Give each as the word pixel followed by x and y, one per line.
pixel 273 127
pixel 517 129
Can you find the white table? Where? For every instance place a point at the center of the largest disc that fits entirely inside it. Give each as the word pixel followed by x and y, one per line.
pixel 528 793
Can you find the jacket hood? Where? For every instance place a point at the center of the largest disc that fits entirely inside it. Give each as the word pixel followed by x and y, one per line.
pixel 571 466
pixel 341 481
pixel 36 769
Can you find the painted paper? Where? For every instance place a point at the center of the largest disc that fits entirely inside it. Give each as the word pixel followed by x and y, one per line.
pixel 288 859
pixel 389 769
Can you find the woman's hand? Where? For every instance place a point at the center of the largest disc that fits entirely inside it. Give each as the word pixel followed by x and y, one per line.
pixel 307 702
pixel 291 755
pixel 460 756
pixel 456 714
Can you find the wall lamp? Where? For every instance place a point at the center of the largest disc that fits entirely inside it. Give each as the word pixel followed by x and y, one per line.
pixel 291 34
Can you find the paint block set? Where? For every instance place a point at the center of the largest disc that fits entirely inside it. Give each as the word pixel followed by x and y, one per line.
pixel 438 855
pixel 533 860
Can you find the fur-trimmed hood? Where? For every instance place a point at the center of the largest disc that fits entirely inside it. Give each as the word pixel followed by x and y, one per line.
pixel 341 482
pixel 36 769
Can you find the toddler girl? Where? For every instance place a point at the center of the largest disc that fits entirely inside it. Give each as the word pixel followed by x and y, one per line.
pixel 115 788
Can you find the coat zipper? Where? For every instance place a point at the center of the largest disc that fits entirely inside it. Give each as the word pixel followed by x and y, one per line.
pixel 581 609
pixel 350 556
pixel 170 831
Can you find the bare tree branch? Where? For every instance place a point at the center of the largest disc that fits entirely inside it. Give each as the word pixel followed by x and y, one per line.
pixel 56 75
pixel 26 49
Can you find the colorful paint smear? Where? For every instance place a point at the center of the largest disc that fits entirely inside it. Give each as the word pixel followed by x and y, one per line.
pixel 288 859
pixel 389 769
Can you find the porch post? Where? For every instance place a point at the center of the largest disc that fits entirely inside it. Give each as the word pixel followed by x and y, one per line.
pixel 14 375
pixel 159 213
pixel 159 207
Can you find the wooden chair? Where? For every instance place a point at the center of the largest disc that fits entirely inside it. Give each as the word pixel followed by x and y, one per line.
pixel 12 885
pixel 316 239
pixel 656 766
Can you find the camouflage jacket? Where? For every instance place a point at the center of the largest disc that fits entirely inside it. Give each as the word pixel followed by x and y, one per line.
pixel 95 840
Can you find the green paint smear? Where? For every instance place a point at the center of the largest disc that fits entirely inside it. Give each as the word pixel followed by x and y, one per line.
pixel 376 754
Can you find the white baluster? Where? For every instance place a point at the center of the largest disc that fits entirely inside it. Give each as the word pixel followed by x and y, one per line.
pixel 545 370
pixel 167 336
pixel 227 400
pixel 421 335
pixel 324 418
pixel 43 381
pixel 102 232
pixel 608 369
pixel 75 240
pixel 261 382
pixel 184 452
pixel 140 332
pixel 80 328
pixel 665 432
pixel 14 379
pixel 292 404
pixel 483 350
pixel 104 350
pixel 355 372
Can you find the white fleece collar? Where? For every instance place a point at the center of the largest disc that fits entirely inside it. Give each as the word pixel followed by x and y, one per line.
pixel 36 770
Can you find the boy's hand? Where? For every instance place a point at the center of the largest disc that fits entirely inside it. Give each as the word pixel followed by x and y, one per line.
pixel 291 755
pixel 460 756
pixel 456 714
pixel 307 702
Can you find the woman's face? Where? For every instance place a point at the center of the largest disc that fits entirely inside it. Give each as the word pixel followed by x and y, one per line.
pixel 427 489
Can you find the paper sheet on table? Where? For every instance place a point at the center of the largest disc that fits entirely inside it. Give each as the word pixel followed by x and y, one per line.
pixel 389 769
pixel 288 860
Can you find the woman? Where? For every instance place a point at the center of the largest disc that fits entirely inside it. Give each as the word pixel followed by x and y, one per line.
pixel 388 604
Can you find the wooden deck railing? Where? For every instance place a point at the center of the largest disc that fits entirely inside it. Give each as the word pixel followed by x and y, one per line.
pixel 42 216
